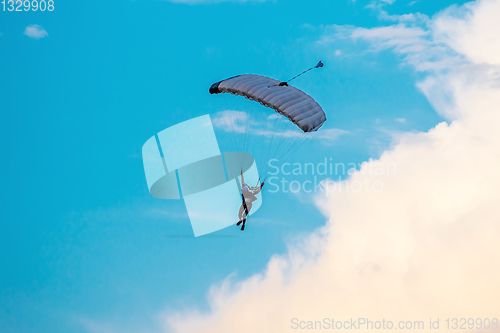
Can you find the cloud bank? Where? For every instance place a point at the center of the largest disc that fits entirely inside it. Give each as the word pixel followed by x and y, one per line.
pixel 427 245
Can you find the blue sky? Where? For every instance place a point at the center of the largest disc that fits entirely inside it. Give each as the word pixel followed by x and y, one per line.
pixel 81 239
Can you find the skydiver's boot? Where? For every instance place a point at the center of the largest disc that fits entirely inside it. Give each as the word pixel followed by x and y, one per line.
pixel 238 224
pixel 243 226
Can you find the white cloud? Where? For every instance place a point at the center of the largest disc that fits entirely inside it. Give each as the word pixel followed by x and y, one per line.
pixel 328 136
pixel 415 43
pixel 412 17
pixel 239 122
pixel 427 245
pixel 231 121
pixel 35 31
pixel 374 4
pixel 471 30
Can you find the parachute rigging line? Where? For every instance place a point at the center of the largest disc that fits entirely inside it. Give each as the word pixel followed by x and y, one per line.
pixel 285 83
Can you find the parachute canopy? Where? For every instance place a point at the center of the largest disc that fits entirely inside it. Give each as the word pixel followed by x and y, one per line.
pixel 289 101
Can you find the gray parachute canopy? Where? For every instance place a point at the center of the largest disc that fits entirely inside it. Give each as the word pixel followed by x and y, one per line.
pixel 289 101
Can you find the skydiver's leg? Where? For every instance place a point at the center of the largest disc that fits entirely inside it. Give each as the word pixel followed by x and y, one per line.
pixel 249 206
pixel 241 214
pixel 242 210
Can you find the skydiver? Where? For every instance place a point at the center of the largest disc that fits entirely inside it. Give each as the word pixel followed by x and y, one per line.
pixel 248 195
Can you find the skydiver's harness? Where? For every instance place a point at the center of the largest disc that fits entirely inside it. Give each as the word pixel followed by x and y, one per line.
pixel 245 200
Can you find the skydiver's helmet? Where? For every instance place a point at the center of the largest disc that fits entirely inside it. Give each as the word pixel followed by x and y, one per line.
pixel 245 188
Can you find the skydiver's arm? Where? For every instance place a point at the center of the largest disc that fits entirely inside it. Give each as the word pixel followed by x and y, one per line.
pixel 242 180
pixel 259 188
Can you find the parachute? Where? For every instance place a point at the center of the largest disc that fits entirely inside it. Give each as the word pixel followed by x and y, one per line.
pixel 288 101
pixel 263 134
